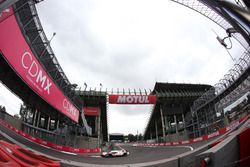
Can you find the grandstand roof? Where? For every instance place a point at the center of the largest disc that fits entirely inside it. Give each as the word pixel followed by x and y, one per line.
pixel 173 92
pixel 161 87
pixel 173 98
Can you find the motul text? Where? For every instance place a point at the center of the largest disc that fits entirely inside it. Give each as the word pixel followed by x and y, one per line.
pixel 132 99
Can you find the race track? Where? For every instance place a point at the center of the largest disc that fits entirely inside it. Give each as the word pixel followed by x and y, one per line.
pixel 137 154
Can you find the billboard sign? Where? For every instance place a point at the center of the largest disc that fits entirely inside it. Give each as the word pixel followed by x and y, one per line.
pixel 91 111
pixel 132 99
pixel 18 54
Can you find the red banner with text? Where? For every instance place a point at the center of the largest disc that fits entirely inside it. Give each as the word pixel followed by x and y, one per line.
pixel 91 111
pixel 18 54
pixel 132 99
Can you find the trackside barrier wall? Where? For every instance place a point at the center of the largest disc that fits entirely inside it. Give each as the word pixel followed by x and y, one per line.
pixel 98 150
pixel 50 144
pixel 225 153
pixel 221 131
pixel 186 159
pixel 232 151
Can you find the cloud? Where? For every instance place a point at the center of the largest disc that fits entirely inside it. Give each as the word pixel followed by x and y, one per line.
pixel 11 102
pixel 133 44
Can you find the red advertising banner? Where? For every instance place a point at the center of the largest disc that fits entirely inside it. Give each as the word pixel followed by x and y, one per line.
pixel 132 99
pixel 19 55
pixel 91 111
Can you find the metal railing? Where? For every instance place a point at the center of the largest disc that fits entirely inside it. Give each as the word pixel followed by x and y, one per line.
pixel 59 136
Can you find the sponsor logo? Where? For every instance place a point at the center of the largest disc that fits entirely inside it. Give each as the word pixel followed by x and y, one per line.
pixel 58 147
pixel 185 142
pixel 175 143
pixel 197 139
pixel 167 144
pixel 44 142
pixel 69 107
pixel 213 134
pixel 132 99
pixel 76 150
pixel 32 138
pixel 34 72
pixel 232 126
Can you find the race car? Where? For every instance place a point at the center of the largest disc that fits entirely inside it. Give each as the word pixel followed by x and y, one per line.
pixel 114 151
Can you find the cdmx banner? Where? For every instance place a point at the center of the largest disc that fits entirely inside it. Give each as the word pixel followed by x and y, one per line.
pixel 23 61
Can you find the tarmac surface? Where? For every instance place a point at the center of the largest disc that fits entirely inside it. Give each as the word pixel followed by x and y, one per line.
pixel 137 154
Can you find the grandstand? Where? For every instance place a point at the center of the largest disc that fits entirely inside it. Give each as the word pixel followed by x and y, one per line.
pixel 170 115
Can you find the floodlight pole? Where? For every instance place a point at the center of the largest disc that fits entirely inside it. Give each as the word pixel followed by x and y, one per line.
pixel 234 14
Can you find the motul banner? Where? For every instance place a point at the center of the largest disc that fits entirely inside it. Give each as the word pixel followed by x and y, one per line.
pixel 91 111
pixel 132 99
pixel 20 57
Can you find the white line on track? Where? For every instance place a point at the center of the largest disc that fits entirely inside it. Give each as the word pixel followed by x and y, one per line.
pixel 68 153
pixel 191 148
pixel 95 156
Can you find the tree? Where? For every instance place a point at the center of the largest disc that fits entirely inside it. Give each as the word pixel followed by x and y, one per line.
pixel 131 138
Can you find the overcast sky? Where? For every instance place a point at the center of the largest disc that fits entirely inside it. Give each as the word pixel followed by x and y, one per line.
pixel 130 44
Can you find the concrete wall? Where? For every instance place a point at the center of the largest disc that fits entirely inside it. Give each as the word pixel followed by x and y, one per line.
pixel 189 160
pixel 225 153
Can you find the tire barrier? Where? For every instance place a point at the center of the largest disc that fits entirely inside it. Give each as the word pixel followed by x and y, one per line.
pixel 50 144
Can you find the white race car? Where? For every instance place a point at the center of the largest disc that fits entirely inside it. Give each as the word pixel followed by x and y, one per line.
pixel 114 151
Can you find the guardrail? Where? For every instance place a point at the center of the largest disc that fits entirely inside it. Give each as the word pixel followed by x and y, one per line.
pixel 42 133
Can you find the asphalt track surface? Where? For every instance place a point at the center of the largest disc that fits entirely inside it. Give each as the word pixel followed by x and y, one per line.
pixel 137 154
